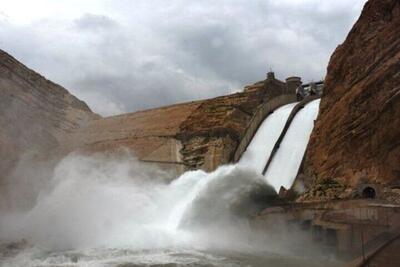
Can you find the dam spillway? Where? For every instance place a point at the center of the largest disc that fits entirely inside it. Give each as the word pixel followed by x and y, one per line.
pixel 285 163
pixel 259 150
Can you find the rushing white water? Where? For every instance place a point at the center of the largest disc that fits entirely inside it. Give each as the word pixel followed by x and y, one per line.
pixel 286 162
pixel 258 151
pixel 98 201
pixel 103 202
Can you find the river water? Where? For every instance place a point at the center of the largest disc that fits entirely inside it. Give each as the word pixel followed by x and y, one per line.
pixel 125 257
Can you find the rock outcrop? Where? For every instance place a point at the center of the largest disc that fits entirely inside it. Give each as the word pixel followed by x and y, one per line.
pixel 356 138
pixel 36 114
pixel 217 124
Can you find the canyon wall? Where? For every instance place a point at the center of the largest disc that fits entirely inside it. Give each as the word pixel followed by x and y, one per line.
pixel 356 139
pixel 37 118
pixel 36 114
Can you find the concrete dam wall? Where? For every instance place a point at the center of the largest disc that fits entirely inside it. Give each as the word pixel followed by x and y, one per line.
pixel 202 134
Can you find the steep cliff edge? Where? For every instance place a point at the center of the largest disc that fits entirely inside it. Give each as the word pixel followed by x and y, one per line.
pixel 36 114
pixel 356 138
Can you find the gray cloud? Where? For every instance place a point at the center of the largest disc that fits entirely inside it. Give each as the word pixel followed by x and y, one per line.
pixel 143 54
pixel 94 22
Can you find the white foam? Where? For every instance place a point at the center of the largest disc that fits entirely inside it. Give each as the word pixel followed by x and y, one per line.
pixel 257 153
pixel 112 202
pixel 286 162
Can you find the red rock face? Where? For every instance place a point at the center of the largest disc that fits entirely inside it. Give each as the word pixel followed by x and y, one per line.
pixel 357 135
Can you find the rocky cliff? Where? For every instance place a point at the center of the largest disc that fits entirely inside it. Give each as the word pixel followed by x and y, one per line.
pixel 356 138
pixel 36 114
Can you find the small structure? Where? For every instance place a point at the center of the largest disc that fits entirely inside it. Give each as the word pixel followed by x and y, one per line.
pixel 291 85
pixel 300 93
pixel 271 75
pixel 312 88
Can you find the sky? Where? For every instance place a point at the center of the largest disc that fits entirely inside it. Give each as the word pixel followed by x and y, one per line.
pixel 126 55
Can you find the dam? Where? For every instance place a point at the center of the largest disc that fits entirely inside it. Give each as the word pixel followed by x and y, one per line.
pixel 173 221
pixel 218 148
pixel 201 134
pixel 211 182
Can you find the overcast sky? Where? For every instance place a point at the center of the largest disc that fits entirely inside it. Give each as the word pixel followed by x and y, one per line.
pixel 126 55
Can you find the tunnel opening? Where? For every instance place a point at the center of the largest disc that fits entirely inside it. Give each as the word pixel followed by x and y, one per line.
pixel 369 192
